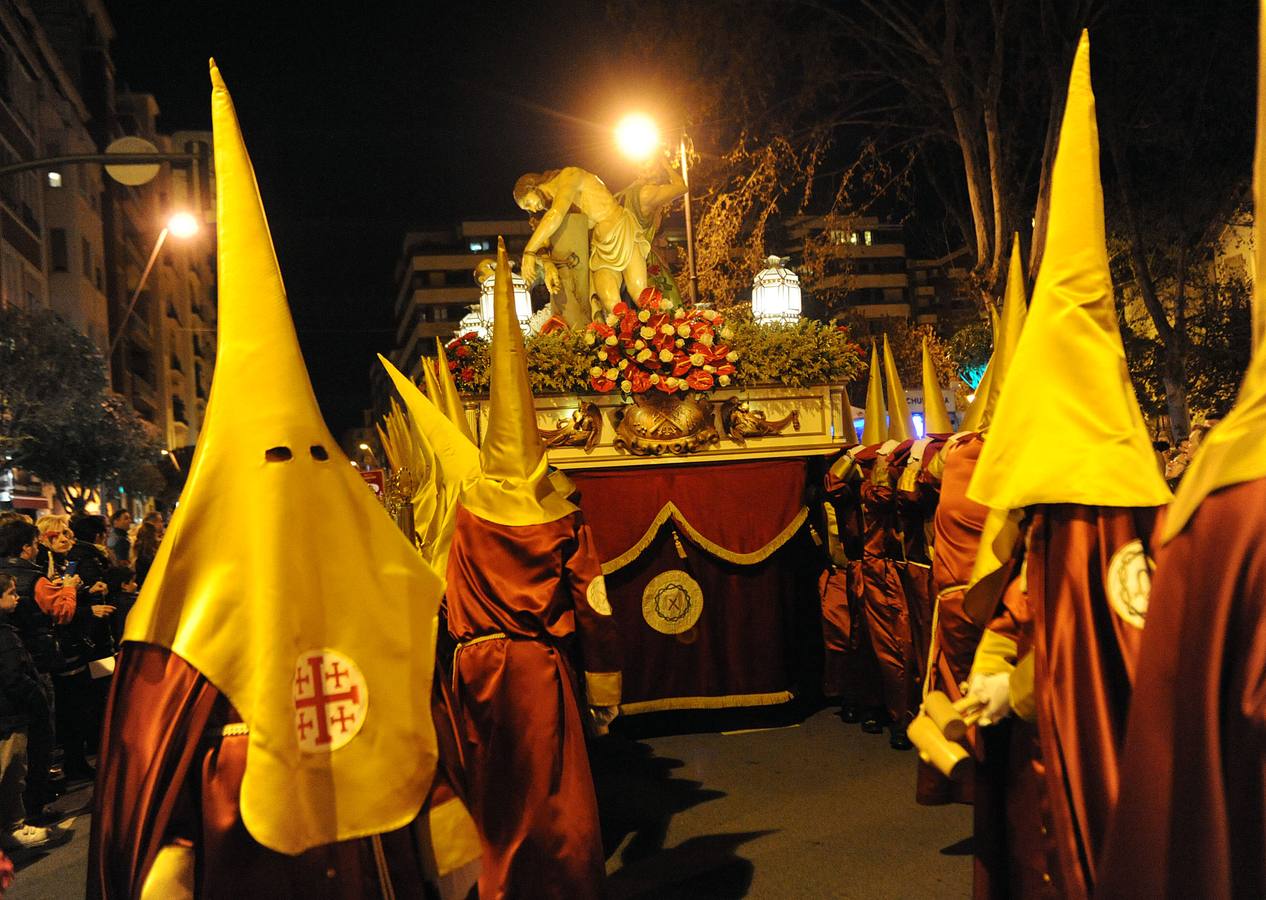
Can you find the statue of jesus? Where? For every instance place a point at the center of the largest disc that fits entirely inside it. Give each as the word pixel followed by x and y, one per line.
pixel 617 245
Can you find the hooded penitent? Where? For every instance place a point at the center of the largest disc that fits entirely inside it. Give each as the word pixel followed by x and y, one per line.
pixel 1067 382
pixel 875 426
pixel 514 486
pixel 281 580
pixel 936 418
pixel 1068 444
pixel 900 426
pixel 456 464
pixel 1186 825
pixel 450 398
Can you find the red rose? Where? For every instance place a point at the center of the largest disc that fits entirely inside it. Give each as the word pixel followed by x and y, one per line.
pixel 452 365
pixel 699 380
pixel 462 351
pixel 620 308
pixel 468 375
pixel 652 270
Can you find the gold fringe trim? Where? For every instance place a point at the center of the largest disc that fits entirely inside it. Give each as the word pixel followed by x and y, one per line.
pixel 645 706
pixel 670 511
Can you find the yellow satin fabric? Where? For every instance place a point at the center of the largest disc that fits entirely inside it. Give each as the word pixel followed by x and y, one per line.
pixel 1067 427
pixel 900 427
pixel 874 428
pixel 452 397
pixel 265 560
pixel 936 418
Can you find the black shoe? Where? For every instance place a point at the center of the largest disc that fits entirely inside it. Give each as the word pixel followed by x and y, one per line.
pixel 850 715
pixel 898 740
pixel 872 723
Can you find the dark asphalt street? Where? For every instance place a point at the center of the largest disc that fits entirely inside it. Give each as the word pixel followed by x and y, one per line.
pixel 815 809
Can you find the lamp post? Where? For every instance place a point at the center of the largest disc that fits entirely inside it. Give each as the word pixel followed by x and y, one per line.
pixel 182 225
pixel 638 138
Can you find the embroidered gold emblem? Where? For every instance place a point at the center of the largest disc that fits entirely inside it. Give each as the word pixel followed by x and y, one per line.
pixel 1130 582
pixel 596 596
pixel 672 602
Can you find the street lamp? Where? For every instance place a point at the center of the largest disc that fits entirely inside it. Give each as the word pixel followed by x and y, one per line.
pixel 182 225
pixel 638 138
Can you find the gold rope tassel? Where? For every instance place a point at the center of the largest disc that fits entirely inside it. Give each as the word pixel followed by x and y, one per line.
pixel 681 551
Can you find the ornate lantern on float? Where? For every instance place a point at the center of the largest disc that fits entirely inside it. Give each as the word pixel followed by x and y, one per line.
pixel 776 292
pixel 522 298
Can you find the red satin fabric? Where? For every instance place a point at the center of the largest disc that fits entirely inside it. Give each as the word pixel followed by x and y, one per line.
pixel 166 775
pixel 740 506
pixel 517 704
pixel 887 612
pixel 1191 816
pixel 1085 663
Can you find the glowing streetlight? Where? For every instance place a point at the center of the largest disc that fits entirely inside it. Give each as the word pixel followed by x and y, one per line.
pixel 183 225
pixel 637 136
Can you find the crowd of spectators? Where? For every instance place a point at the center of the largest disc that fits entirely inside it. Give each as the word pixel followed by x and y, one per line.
pixel 66 586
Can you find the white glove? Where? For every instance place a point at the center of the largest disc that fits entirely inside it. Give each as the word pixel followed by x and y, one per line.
pixel 993 692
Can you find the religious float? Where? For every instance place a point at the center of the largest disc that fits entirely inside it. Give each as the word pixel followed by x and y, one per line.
pixel 696 437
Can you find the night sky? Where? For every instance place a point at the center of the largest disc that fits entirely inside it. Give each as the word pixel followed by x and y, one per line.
pixel 363 125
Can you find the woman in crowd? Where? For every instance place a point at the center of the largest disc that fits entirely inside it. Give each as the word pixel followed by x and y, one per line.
pixel 146 546
pixel 70 621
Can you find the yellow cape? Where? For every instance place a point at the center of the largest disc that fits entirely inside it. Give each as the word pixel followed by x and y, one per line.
pixel 279 555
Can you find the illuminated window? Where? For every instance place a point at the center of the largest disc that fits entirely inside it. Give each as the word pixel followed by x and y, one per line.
pixel 54 179
pixel 867 237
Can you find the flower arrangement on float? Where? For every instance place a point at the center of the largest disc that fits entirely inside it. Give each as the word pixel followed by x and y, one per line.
pixel 656 344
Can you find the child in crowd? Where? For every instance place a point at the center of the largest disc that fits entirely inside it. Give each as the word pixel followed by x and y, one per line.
pixel 21 698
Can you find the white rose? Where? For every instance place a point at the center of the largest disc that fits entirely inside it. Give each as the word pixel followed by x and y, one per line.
pixel 647 332
pixel 654 379
pixel 602 354
pixel 643 355
pixel 613 374
pixel 643 315
pixel 696 359
pixel 683 331
pixel 596 371
pixel 624 364
pixel 709 314
pixel 626 386
pixel 612 319
pixel 639 344
pixel 723 379
pixel 727 333
pixel 668 329
pixel 706 340
pixel 732 356
pixel 671 381
pixel 590 338
pixel 708 368
pixel 612 340
pixel 665 356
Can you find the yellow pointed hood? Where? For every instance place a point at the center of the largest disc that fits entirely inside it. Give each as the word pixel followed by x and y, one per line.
pixel 875 426
pixel 326 654
pixel 455 467
pixel 1068 382
pixel 1234 451
pixel 1007 330
pixel 433 389
pixel 514 488
pixel 454 452
pixel 976 411
pixel 900 427
pixel 849 426
pixel 936 418
pixel 451 396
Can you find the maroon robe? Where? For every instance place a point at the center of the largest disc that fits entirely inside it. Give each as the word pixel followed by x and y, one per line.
pixel 850 670
pixel 1190 820
pixel 1085 654
pixel 168 775
pixel 887 614
pixel 520 605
